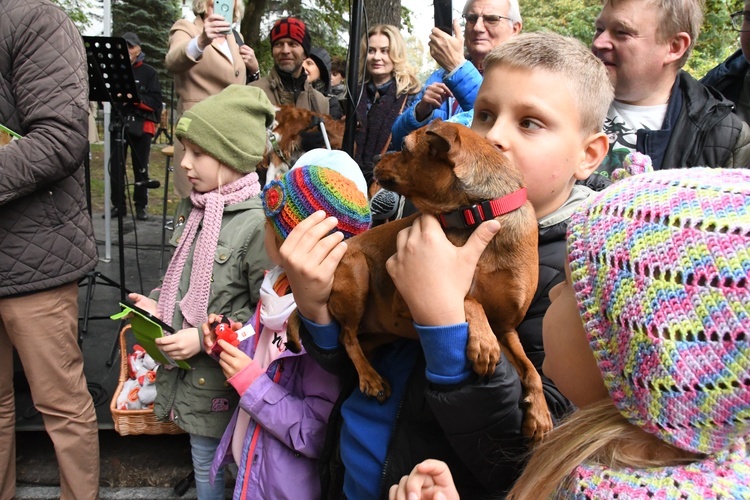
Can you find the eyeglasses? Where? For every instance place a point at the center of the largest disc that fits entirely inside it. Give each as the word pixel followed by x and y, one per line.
pixel 489 19
pixel 739 19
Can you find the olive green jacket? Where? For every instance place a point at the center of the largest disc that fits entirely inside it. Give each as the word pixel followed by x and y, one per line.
pixel 200 400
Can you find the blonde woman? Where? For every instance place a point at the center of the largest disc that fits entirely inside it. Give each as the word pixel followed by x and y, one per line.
pixel 390 86
pixel 204 58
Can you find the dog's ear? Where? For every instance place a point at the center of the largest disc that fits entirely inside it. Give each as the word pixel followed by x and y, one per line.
pixel 441 137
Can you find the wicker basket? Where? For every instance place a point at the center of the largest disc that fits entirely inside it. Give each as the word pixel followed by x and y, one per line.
pixel 135 421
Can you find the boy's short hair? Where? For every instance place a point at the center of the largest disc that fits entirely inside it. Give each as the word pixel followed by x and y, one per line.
pixel 338 65
pixel 585 74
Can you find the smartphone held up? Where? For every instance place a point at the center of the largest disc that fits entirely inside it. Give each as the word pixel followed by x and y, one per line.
pixel 225 8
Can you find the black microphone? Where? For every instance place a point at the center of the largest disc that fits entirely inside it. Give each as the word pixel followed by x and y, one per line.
pixel 149 184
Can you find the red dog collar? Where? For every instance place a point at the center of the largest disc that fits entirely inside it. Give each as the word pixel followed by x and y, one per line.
pixel 472 216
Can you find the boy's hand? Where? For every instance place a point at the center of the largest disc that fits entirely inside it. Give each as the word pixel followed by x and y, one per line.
pixel 447 50
pixel 434 96
pixel 434 276
pixel 148 305
pixel 180 345
pixel 429 480
pixel 232 360
pixel 209 335
pixel 309 257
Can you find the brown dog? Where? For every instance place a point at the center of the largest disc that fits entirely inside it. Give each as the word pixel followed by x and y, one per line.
pixel 289 125
pixel 449 171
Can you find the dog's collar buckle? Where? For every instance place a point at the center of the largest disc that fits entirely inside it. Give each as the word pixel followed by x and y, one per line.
pixel 276 147
pixel 472 215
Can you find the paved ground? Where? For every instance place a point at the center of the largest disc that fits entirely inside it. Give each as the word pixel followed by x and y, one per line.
pixel 131 466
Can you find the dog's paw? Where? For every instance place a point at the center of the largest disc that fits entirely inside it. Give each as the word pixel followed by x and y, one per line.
pixel 377 388
pixel 483 351
pixel 537 421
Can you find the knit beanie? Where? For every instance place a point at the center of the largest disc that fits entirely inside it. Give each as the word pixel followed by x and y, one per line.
pixel 331 183
pixel 230 126
pixel 290 27
pixel 660 264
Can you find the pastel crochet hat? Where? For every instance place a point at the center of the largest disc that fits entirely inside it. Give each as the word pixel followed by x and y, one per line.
pixel 320 180
pixel 660 264
pixel 230 126
pixel 291 27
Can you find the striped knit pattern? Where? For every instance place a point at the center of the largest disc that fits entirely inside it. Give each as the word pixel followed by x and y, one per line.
pixel 725 475
pixel 660 264
pixel 305 190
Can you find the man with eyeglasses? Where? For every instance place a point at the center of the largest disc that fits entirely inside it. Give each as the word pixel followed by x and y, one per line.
pixel 659 109
pixel 453 87
pixel 732 77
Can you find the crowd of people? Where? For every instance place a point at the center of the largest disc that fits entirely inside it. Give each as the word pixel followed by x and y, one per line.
pixel 638 327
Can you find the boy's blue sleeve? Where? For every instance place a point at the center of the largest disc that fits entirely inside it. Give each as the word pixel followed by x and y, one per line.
pixel 445 352
pixel 325 336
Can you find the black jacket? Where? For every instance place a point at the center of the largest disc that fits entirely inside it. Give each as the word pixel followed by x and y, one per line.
pixel 475 426
pixel 704 131
pixel 730 78
pixel 149 93
pixel 699 130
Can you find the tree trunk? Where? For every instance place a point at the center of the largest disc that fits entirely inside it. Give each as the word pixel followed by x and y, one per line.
pixel 383 12
pixel 250 26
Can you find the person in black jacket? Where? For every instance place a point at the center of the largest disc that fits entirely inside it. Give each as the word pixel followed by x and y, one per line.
pixel 318 69
pixel 140 126
pixel 546 115
pixel 732 77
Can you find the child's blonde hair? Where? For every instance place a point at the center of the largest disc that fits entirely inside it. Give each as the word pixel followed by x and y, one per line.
pixel 404 73
pixel 581 70
pixel 599 434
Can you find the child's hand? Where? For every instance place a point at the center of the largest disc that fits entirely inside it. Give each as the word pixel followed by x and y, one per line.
pixel 209 335
pixel 309 257
pixel 232 360
pixel 180 345
pixel 429 480
pixel 431 274
pixel 148 305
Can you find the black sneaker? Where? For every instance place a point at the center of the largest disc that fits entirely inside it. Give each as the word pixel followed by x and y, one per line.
pixel 140 214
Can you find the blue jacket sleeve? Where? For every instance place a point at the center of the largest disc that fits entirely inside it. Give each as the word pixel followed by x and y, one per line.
pixel 464 82
pixel 407 121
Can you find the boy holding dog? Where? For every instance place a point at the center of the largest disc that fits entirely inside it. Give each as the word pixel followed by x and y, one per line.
pixel 543 102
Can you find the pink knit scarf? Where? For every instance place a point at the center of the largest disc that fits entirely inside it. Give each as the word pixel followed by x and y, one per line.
pixel 209 208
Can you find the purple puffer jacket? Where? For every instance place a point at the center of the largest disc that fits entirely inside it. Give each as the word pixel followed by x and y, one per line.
pixel 292 414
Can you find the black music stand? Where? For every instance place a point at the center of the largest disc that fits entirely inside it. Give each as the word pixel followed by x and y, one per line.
pixel 111 80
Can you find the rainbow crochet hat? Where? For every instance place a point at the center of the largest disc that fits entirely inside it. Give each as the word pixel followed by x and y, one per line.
pixel 660 264
pixel 324 180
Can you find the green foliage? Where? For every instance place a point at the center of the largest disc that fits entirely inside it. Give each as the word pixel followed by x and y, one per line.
pixel 77 10
pixel 567 17
pixel 151 20
pixel 717 40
